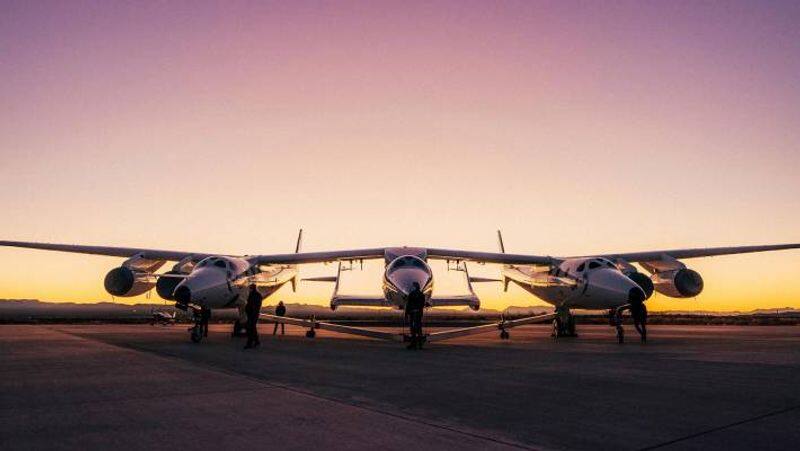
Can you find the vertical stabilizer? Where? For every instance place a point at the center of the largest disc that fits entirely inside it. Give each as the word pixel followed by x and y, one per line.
pixel 297 248
pixel 502 250
pixel 299 244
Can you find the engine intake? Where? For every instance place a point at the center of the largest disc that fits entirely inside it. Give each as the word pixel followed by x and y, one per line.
pixel 125 282
pixel 679 283
pixel 165 287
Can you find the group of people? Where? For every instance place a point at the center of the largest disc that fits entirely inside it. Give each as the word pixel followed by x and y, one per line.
pixel 415 305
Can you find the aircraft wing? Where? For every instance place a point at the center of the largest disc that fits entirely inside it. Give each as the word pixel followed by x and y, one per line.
pixel 126 252
pixel 320 257
pixel 489 257
pixel 679 254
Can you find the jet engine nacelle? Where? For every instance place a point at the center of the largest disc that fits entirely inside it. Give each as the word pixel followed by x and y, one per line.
pixel 126 282
pixel 165 286
pixel 644 283
pixel 678 283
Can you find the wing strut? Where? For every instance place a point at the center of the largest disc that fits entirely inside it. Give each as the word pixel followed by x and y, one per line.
pixel 312 324
pixel 501 326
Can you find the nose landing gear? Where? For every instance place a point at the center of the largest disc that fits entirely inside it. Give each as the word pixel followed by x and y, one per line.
pixel 615 319
pixel 196 331
pixel 200 316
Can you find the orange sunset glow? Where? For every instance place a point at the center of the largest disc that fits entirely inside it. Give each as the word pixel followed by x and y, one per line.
pixel 576 128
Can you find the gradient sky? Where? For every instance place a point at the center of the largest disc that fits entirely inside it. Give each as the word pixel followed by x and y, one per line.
pixel 576 127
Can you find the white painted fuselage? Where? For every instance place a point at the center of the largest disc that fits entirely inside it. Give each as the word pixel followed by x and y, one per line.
pixel 223 282
pixel 583 283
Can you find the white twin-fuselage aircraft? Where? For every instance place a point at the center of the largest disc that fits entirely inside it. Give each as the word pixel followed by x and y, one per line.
pixel 201 282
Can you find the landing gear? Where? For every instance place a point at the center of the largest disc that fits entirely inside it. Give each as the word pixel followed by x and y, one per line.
pixel 564 324
pixel 615 319
pixel 196 334
pixel 504 335
pixel 311 332
pixel 239 330
pixel 196 331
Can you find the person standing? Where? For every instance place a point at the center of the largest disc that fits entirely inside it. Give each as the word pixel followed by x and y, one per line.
pixel 205 316
pixel 639 314
pixel 280 310
pixel 253 310
pixel 415 305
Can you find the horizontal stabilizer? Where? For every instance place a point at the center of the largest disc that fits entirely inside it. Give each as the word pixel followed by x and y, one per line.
pixel 483 279
pixel 468 300
pixel 320 279
pixel 359 301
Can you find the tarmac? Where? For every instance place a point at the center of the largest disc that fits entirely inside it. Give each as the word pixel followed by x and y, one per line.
pixel 147 387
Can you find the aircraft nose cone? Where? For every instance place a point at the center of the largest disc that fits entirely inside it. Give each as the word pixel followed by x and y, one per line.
pixel 613 285
pixel 406 283
pixel 183 295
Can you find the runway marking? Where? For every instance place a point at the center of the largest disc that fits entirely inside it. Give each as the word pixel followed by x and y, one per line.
pixel 721 428
pixel 261 381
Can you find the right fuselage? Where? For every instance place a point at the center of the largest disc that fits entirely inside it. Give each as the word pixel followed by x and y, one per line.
pixel 585 283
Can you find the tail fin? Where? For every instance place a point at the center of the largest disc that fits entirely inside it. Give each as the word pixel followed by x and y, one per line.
pixel 297 247
pixel 500 241
pixel 299 242
pixel 502 250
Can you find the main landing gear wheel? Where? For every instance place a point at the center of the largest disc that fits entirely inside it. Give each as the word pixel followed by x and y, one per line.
pixel 311 333
pixel 620 334
pixel 238 330
pixel 504 335
pixel 564 326
pixel 196 334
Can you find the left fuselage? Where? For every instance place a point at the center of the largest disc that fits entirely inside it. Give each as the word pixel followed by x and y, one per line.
pixel 222 282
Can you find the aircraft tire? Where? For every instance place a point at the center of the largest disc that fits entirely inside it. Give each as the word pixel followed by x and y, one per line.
pixel 196 336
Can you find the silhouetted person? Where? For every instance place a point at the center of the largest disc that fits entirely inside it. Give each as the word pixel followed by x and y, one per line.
pixel 253 309
pixel 639 315
pixel 414 308
pixel 205 315
pixel 280 310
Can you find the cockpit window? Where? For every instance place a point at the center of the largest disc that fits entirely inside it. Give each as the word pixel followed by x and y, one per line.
pixel 220 264
pixel 408 262
pixel 593 265
pixel 581 267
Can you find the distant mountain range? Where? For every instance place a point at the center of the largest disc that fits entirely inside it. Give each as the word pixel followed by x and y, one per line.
pixel 15 309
